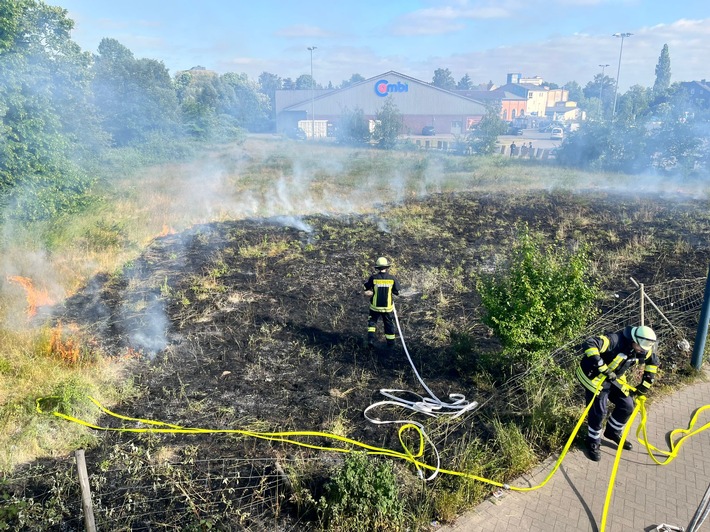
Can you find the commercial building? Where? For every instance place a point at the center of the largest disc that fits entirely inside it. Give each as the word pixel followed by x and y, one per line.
pixel 419 103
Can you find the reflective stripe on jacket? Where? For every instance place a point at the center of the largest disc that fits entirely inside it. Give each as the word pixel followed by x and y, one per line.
pixel 614 352
pixel 383 286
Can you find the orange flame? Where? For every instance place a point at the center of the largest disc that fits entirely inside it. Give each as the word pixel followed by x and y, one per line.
pixel 65 347
pixel 167 230
pixel 35 297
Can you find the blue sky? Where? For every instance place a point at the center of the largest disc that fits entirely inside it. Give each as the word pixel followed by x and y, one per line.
pixel 559 40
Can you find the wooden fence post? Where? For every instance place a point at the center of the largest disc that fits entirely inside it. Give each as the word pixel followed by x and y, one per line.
pixel 89 523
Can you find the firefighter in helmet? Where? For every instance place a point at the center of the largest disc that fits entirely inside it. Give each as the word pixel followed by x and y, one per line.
pixel 607 359
pixel 380 287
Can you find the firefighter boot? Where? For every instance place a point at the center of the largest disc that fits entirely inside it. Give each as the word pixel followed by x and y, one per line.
pixel 594 449
pixel 370 341
pixel 609 434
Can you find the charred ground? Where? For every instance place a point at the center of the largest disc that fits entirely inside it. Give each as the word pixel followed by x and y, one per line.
pixel 260 324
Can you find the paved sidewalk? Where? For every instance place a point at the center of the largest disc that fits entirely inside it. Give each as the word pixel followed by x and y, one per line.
pixel 645 494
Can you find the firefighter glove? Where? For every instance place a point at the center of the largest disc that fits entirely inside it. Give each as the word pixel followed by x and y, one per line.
pixel 610 376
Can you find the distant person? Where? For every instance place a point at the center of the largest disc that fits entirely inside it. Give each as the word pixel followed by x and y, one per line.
pixel 513 149
pixel 380 287
pixel 531 151
pixel 523 150
pixel 606 359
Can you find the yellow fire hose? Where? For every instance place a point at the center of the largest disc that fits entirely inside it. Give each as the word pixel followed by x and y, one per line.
pixel 292 437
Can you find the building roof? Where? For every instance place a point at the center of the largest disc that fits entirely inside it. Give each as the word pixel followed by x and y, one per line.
pixel 496 94
pixel 703 85
pixel 412 97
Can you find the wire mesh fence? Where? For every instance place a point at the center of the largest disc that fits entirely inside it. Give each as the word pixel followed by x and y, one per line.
pixel 138 491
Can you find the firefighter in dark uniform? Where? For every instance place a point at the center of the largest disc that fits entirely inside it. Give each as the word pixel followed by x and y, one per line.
pixel 380 287
pixel 607 359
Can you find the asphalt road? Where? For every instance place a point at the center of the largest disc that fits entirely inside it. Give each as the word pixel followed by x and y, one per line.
pixel 539 140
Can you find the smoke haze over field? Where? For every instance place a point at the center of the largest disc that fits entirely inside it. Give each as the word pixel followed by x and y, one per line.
pixel 559 40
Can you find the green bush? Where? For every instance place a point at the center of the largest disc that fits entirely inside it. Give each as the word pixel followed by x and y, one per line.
pixel 362 495
pixel 540 298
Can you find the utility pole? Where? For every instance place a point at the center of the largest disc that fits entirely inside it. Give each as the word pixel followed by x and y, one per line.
pixel 313 101
pixel 601 87
pixel 618 69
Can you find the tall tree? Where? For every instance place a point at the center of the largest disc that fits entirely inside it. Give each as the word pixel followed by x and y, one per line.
pixel 305 81
pixel 198 96
pixel 249 107
pixel 601 91
pixel 464 83
pixel 43 110
pixel 268 85
pixel 443 79
pixel 663 73
pixel 634 103
pixel 135 97
pixel 576 94
pixel 355 78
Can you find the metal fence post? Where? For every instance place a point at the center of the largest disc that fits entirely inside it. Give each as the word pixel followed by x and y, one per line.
pixel 701 335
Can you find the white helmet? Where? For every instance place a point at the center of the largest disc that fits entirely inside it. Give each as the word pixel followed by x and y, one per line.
pixel 644 337
pixel 382 262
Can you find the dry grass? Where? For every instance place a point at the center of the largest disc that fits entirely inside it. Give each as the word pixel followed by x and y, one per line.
pixel 48 363
pixel 261 178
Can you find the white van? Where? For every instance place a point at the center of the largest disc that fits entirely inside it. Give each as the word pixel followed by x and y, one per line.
pixel 557 133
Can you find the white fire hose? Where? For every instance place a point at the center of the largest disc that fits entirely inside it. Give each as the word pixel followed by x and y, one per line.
pixel 430 406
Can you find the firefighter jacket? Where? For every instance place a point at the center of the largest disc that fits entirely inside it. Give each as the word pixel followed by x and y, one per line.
pixel 383 286
pixel 614 353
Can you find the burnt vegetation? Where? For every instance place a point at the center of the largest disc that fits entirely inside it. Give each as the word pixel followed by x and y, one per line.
pixel 259 325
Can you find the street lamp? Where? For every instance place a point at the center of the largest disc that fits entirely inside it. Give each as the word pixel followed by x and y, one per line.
pixel 618 69
pixel 601 87
pixel 313 103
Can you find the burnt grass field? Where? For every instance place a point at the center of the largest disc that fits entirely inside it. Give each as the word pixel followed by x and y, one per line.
pixel 260 324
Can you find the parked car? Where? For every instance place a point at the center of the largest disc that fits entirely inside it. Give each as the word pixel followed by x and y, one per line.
pixel 515 130
pixel 428 131
pixel 557 133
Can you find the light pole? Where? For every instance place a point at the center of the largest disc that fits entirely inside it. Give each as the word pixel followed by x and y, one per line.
pixel 601 87
pixel 313 102
pixel 618 69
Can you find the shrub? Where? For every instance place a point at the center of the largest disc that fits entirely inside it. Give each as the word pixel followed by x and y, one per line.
pixel 542 297
pixel 362 496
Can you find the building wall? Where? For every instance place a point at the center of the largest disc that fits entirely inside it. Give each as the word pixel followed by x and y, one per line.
pixel 557 95
pixel 512 109
pixel 419 103
pixel 537 102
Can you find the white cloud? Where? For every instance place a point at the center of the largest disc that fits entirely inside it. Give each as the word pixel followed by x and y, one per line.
pixel 577 57
pixel 445 19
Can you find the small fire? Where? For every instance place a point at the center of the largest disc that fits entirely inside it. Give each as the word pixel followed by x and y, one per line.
pixel 35 297
pixel 167 230
pixel 65 346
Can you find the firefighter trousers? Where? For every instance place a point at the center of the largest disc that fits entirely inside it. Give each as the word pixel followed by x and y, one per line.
pixel 388 322
pixel 623 407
